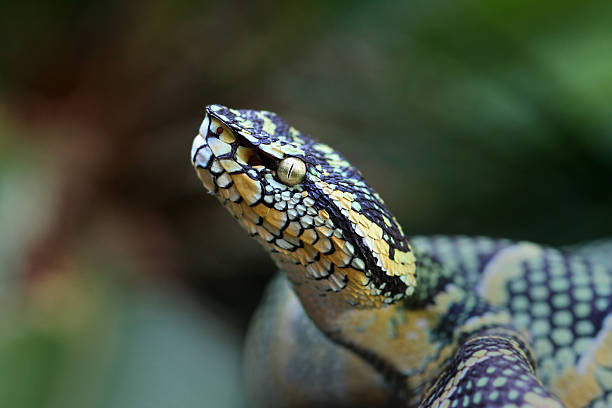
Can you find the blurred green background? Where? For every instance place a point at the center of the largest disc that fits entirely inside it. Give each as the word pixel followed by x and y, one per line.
pixel 122 284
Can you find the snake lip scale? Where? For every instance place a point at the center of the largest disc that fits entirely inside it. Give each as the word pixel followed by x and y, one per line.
pixel 367 318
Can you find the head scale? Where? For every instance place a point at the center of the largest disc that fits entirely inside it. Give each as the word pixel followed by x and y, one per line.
pixel 305 204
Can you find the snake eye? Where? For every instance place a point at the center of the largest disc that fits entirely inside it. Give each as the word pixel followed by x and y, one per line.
pixel 291 171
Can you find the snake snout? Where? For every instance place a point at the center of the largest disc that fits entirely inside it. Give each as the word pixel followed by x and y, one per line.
pixel 199 142
pixel 200 152
pixel 202 160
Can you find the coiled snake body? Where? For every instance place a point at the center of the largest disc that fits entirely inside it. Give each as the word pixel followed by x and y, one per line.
pixel 360 317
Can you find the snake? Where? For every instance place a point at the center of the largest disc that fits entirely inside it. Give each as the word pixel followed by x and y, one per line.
pixel 361 315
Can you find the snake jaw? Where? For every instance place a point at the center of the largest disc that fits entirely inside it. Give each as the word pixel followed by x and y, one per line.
pixel 330 222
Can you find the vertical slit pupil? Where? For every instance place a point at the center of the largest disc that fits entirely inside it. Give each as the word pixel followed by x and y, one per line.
pixel 290 171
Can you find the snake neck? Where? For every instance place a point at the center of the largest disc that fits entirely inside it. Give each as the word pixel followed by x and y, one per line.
pixel 326 305
pixel 408 341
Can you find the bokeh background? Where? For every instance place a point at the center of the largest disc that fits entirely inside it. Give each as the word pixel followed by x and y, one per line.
pixel 122 284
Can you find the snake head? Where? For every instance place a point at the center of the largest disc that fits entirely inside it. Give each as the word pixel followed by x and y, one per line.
pixel 306 204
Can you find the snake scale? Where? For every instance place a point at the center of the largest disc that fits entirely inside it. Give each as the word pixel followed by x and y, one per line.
pixel 358 316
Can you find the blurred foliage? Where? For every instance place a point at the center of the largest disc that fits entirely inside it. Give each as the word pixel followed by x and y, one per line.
pixel 123 284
